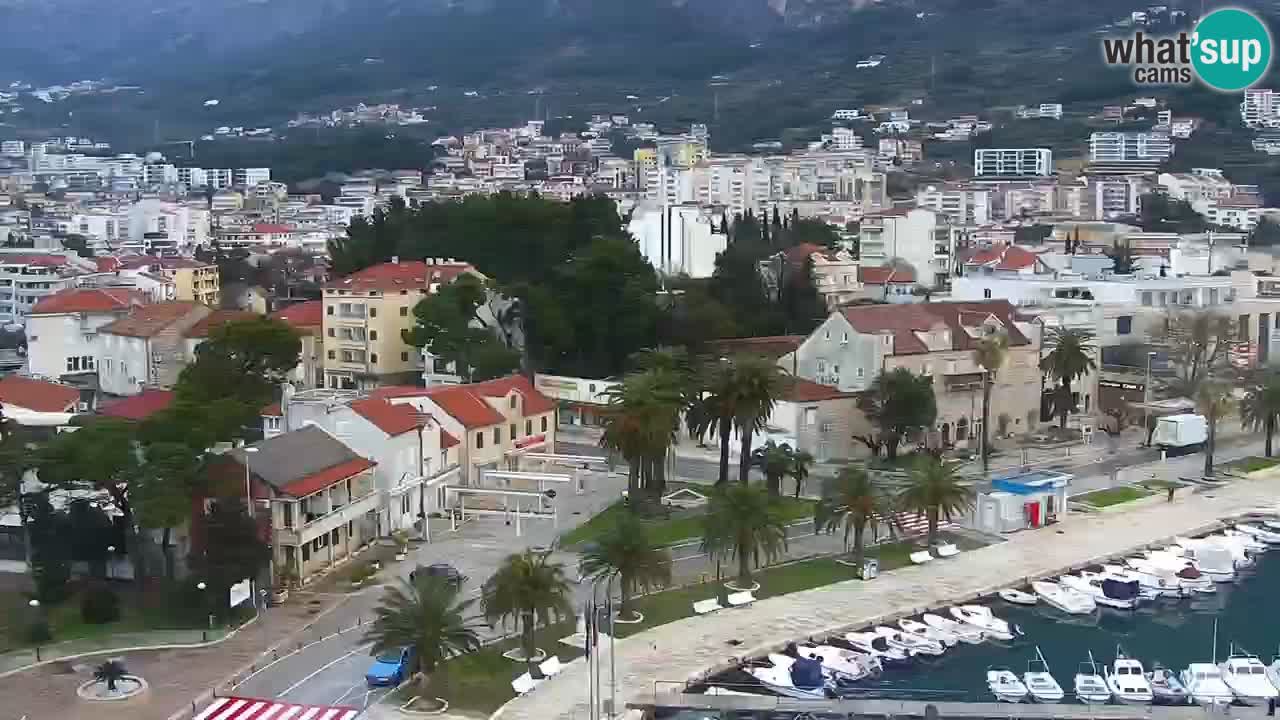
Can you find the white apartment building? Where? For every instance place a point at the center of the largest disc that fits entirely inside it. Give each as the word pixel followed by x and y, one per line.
pixel 845 139
pixel 919 237
pixel 250 177
pixel 1117 196
pixel 1121 147
pixel 62 329
pixel 1012 162
pixel 1051 111
pixel 848 114
pixel 964 205
pixel 157 226
pixel 13 148
pixel 1239 215
pixel 1200 187
pixel 1260 108
pixel 26 278
pixel 679 239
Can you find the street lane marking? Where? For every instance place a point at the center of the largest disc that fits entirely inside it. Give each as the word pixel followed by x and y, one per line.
pixel 324 667
pixel 345 693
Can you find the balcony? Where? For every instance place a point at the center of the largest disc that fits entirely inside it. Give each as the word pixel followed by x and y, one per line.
pixel 963 382
pixel 327 523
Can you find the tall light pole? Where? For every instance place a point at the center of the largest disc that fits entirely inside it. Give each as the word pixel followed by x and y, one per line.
pixel 34 604
pixel 248 495
pixel 111 551
pixel 1146 395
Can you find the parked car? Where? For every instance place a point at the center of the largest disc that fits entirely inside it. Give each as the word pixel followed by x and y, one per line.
pixel 441 570
pixel 391 667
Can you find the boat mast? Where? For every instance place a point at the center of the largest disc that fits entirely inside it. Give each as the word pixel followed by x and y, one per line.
pixel 1215 641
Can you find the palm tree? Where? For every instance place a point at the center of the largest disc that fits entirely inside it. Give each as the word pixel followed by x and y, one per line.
pixel 989 353
pixel 641 423
pixel 775 461
pixel 852 498
pixel 529 590
pixel 1214 400
pixel 626 550
pixel 110 672
pixel 933 491
pixel 1070 359
pixel 713 410
pixel 757 384
pixel 1261 405
pixel 743 523
pixel 428 615
pixel 801 461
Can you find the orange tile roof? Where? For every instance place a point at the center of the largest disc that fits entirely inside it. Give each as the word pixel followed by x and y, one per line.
pixel 272 410
pixel 134 262
pixel 37 259
pixel 392 419
pixel 272 228
pixel 217 319
pixel 139 407
pixel 89 300
pixel 904 321
pixel 882 275
pixel 403 275
pixel 467 404
pixel 323 479
pixel 1005 257
pixel 148 320
pixel 38 395
pixel 774 346
pixel 801 390
pixel 302 315
pixel 446 440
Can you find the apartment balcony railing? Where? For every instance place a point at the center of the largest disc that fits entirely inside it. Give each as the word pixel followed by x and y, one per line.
pixel 337 517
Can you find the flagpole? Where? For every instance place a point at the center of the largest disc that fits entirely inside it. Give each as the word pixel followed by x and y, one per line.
pixel 613 684
pixel 589 611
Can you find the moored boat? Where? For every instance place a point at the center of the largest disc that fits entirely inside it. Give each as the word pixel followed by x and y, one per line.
pixel 1063 598
pixel 982 618
pixel 964 632
pixel 1040 682
pixel 1166 688
pixel 1090 688
pixel 1127 681
pixel 1005 685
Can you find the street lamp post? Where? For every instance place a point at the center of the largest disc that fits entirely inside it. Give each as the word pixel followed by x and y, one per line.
pixel 35 606
pixel 204 602
pixel 248 495
pixel 111 551
pixel 1146 395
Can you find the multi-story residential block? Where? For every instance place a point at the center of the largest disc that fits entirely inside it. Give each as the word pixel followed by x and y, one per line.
pixel 146 348
pixel 365 314
pixel 964 205
pixel 307 318
pixel 834 272
pixel 1125 147
pixel 855 344
pixel 1118 195
pixel 1240 214
pixel 1260 108
pixel 679 239
pixel 1012 162
pixel 62 330
pixel 192 280
pixel 27 277
pixel 919 237
pixel 1200 187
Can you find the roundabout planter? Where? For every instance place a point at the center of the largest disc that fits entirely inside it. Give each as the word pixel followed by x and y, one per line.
pixel 408 708
pixel 730 585
pixel 636 619
pixel 517 655
pixel 129 686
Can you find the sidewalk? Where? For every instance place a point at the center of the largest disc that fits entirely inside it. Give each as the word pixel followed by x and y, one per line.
pixel 18 659
pixel 688 648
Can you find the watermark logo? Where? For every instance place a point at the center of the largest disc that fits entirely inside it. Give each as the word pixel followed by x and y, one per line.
pixel 1228 50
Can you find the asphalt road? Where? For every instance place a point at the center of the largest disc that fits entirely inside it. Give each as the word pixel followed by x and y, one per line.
pixel 332 671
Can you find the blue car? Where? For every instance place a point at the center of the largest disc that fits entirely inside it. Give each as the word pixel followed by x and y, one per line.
pixel 391 667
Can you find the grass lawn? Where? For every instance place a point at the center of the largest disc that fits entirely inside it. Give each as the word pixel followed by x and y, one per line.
pixel 680 525
pixel 480 682
pixel 1112 496
pixel 1251 464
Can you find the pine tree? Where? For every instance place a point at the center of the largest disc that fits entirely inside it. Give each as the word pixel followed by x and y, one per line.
pixel 764 233
pixel 777 219
pixel 724 223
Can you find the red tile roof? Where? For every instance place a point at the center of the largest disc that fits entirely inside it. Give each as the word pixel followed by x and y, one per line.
pixel 1005 257
pixel 148 320
pixel 37 259
pixel 89 300
pixel 801 390
pixel 134 262
pixel 904 321
pixel 302 315
pixel 107 264
pixel 323 479
pixel 400 276
pixel 392 419
pixel 217 319
pixel 799 253
pixel 272 410
pixel 139 407
pixel 272 228
pixel 446 440
pixel 882 275
pixel 774 346
pixel 467 404
pixel 38 395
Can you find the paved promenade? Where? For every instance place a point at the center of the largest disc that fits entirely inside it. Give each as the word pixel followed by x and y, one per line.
pixel 649 662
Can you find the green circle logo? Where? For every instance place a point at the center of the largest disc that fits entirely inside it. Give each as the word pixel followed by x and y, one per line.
pixel 1231 49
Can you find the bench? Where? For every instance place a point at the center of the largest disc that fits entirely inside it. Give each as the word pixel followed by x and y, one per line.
pixel 948 550
pixel 921 557
pixel 551 666
pixel 710 605
pixel 739 599
pixel 525 683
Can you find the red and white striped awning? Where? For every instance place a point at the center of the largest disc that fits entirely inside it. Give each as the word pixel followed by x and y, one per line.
pixel 234 708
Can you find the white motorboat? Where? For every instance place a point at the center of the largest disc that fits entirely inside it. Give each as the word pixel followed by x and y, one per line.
pixel 1243 548
pixel 915 627
pixel 791 677
pixel 981 617
pixel 1017 597
pixel 1180 571
pixel 1205 685
pixel 1273 671
pixel 1090 687
pixel 1039 681
pixel 1128 682
pixel 843 665
pixel 878 648
pixel 1005 685
pixel 1166 688
pixel 965 632
pixel 1210 558
pixel 1065 599
pixel 1152 585
pixel 1247 678
pixel 1251 545
pixel 1270 537
pixel 1105 589
pixel 909 642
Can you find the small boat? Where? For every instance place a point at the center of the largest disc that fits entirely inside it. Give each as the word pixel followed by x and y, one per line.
pixel 1005 685
pixel 1241 548
pixel 1270 537
pixel 1017 597
pixel 1183 574
pixel 1090 688
pixel 1247 677
pixel 1065 599
pixel 1221 569
pixel 791 677
pixel 1105 589
pixel 878 648
pixel 915 627
pixel 1127 681
pixel 965 632
pixel 1251 545
pixel 843 665
pixel 982 618
pixel 913 644
pixel 1205 685
pixel 1213 560
pixel 1151 585
pixel 1166 688
pixel 1039 681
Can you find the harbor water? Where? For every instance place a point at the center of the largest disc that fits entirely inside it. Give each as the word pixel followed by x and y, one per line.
pixel 1171 632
